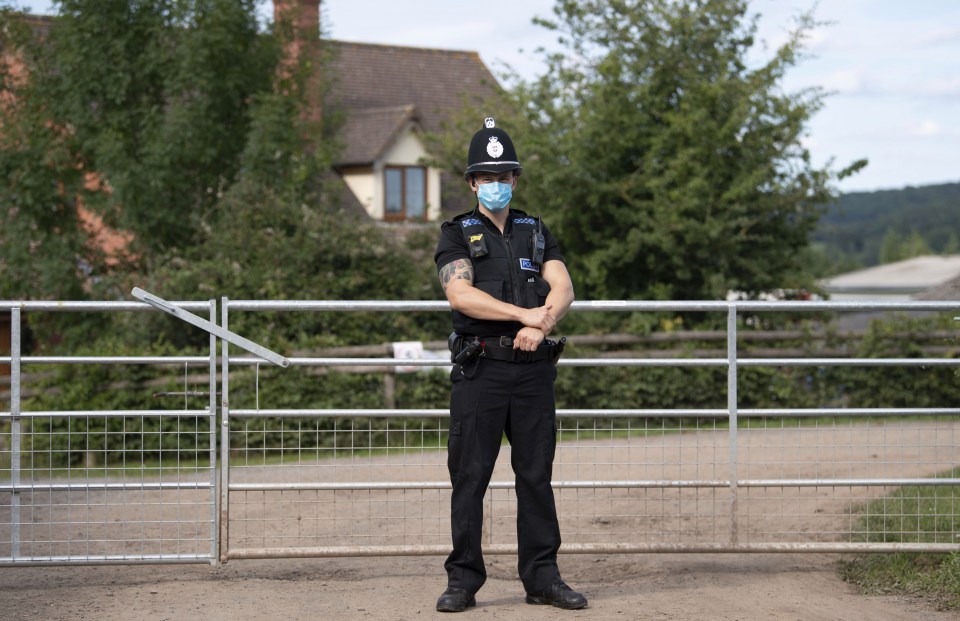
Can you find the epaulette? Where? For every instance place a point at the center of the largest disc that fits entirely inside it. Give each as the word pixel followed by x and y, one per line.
pixel 457 218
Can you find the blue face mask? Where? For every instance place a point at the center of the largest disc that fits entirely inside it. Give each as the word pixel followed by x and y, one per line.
pixel 495 196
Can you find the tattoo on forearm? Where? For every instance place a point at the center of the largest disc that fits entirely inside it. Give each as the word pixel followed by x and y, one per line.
pixel 461 269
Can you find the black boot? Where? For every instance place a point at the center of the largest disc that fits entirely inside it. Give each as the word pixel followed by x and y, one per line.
pixel 456 599
pixel 560 595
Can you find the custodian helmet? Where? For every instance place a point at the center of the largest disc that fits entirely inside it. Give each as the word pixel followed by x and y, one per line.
pixel 491 150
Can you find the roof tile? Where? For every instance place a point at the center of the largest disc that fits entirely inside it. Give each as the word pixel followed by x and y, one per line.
pixel 367 133
pixel 434 81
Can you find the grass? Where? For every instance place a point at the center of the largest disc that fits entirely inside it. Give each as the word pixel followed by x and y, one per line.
pixel 932 577
pixel 919 514
pixel 116 468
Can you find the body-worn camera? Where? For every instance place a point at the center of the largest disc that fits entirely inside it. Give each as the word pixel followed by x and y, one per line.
pixel 537 244
pixel 477 245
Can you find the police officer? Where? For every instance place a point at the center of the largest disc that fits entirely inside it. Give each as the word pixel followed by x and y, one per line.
pixel 508 286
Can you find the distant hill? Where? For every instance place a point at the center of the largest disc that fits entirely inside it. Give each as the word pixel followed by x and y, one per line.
pixel 853 229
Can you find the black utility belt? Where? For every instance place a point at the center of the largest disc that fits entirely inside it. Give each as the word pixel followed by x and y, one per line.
pixel 501 348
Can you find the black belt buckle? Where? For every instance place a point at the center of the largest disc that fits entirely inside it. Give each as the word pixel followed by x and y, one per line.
pixel 516 354
pixel 502 349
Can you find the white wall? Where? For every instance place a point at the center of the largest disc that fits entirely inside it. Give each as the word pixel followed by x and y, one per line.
pixel 362 185
pixel 406 150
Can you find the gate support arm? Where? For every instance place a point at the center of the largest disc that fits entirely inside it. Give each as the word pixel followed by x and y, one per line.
pixel 203 324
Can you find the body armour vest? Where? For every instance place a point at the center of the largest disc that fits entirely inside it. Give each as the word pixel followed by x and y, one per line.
pixel 505 266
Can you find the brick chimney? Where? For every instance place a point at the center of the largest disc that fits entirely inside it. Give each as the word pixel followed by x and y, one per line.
pixel 304 18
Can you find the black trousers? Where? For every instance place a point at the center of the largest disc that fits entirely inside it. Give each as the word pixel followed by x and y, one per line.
pixel 516 399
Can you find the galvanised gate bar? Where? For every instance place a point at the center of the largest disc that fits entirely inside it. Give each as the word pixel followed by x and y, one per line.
pixel 366 482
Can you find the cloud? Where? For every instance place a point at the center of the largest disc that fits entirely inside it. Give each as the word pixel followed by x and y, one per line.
pixel 926 128
pixel 939 36
pixel 892 83
pixel 846 81
pixel 942 87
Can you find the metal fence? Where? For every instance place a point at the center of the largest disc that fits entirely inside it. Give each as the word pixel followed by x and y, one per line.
pixel 353 481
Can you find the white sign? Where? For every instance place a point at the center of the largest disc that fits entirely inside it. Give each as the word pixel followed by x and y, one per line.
pixel 413 350
pixel 408 350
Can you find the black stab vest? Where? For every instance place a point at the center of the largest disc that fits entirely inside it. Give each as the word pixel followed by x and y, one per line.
pixel 503 267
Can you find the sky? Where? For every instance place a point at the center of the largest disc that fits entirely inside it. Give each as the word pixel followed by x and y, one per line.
pixel 892 68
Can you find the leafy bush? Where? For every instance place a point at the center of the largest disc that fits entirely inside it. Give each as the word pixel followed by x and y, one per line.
pixel 59 441
pixel 900 386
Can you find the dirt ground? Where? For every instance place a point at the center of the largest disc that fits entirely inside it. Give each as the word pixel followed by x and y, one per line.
pixel 717 587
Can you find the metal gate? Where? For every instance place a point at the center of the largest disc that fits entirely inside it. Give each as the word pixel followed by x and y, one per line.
pixel 373 481
pixel 79 487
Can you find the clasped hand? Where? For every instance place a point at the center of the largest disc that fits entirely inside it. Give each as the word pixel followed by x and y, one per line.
pixel 540 318
pixel 528 339
pixel 538 323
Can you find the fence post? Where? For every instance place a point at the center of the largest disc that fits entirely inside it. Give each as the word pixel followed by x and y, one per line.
pixel 224 434
pixel 732 413
pixel 15 448
pixel 212 370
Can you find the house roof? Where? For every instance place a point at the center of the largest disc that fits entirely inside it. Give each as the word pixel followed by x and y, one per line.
pixel 919 278
pixel 905 277
pixel 369 79
pixel 367 133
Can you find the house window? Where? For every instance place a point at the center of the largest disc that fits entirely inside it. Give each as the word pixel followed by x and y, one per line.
pixel 406 190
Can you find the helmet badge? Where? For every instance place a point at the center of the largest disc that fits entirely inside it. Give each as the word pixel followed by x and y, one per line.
pixel 494 148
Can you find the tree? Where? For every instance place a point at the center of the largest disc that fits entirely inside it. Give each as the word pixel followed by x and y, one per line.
pixel 153 98
pixel 897 247
pixel 952 245
pixel 855 226
pixel 43 246
pixel 668 166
